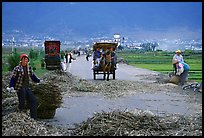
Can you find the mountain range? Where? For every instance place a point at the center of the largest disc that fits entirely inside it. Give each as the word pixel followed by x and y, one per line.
pixel 141 20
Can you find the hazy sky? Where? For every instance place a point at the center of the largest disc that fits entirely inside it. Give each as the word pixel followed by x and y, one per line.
pixel 138 19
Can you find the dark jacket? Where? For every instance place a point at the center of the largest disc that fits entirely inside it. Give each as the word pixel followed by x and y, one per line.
pixel 70 58
pixel 97 54
pixel 18 74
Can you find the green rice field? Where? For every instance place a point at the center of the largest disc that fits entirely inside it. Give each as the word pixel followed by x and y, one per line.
pixel 162 61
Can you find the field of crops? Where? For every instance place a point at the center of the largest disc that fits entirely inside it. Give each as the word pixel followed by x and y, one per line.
pixel 158 61
pixel 6 51
pixel 162 61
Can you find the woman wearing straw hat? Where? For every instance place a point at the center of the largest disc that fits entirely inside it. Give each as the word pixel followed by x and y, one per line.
pixel 177 57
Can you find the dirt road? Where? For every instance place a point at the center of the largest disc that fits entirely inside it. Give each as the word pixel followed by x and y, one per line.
pixel 83 68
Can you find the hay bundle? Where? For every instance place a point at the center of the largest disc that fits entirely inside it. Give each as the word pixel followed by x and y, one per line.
pixel 174 79
pixel 49 98
pixel 118 123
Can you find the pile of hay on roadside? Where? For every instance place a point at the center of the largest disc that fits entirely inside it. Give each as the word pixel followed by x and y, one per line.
pixel 120 123
pixel 20 124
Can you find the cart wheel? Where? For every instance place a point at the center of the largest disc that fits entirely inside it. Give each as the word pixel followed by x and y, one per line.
pixel 114 74
pixel 94 75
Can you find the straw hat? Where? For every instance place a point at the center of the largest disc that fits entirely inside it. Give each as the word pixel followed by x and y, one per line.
pixel 178 51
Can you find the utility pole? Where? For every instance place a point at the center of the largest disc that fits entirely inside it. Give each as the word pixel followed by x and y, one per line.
pixel 13 44
pixel 123 41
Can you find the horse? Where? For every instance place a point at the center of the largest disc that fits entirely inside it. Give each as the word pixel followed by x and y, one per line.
pixel 106 64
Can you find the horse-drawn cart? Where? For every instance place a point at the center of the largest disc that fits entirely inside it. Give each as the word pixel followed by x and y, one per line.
pixel 101 65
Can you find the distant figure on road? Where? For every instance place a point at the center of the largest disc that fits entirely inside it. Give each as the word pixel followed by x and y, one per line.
pixel 113 57
pixel 68 57
pixel 62 55
pixel 78 52
pixel 87 54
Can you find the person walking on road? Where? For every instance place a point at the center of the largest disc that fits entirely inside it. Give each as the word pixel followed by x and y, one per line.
pixel 87 55
pixel 68 57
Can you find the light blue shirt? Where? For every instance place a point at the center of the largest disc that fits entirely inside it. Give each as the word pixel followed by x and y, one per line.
pixel 185 66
